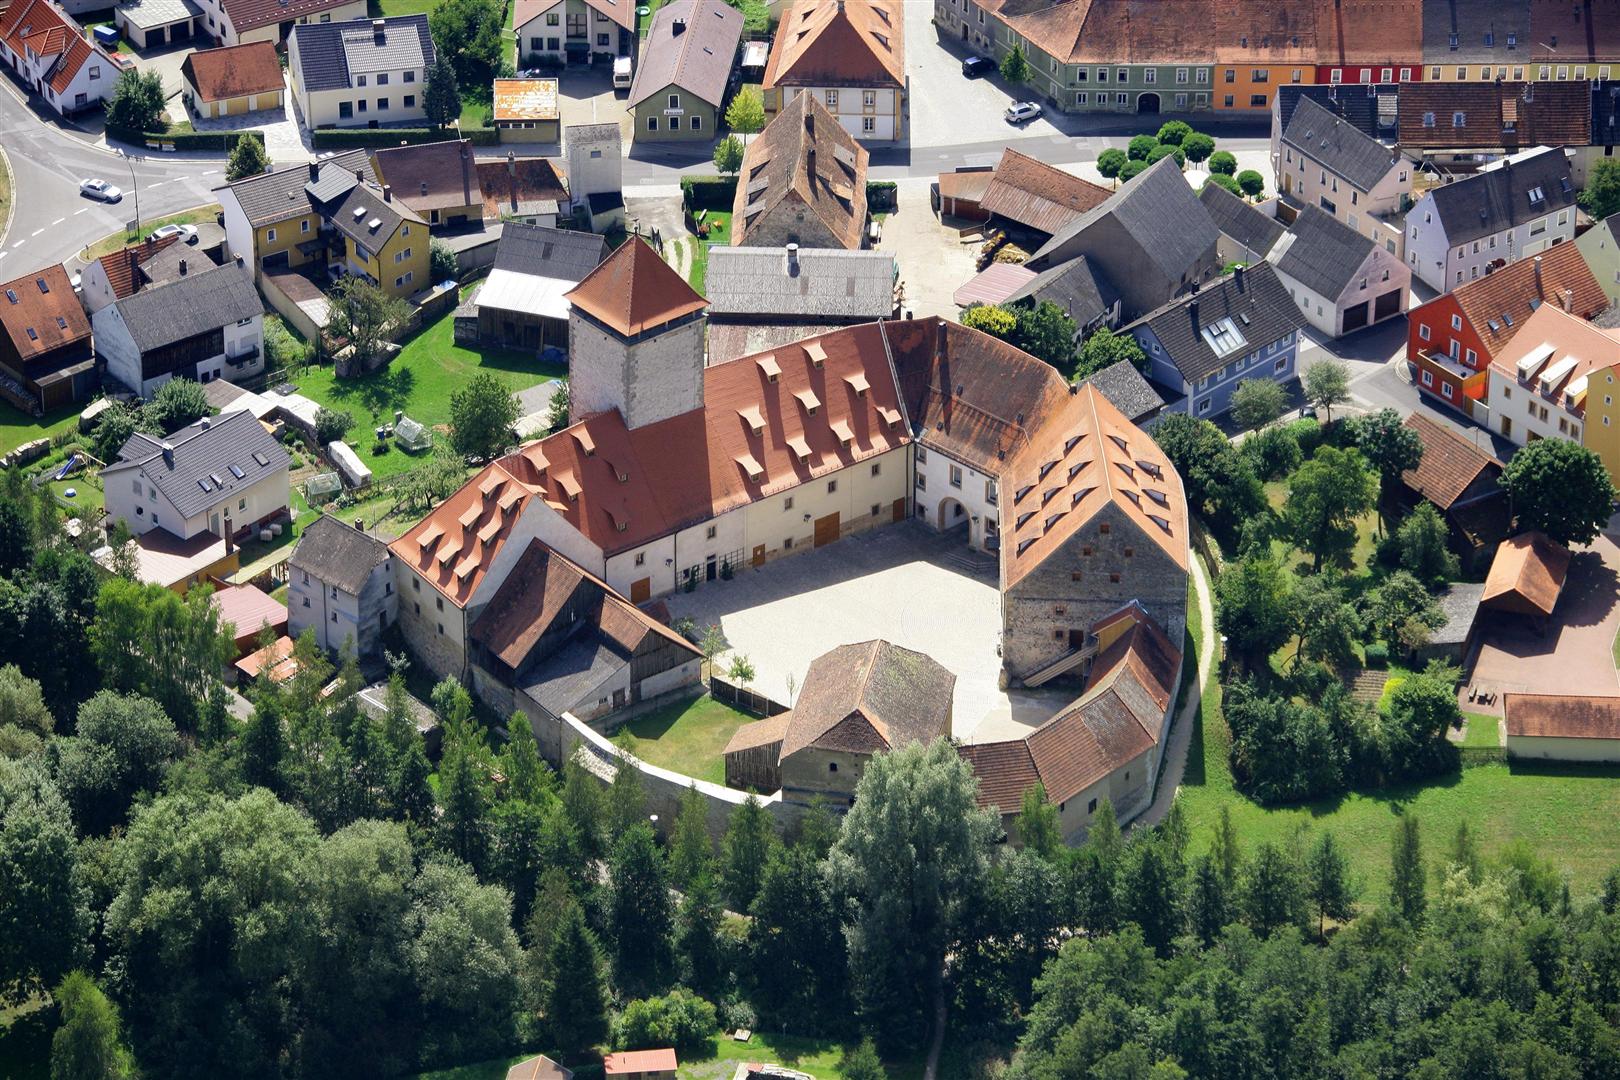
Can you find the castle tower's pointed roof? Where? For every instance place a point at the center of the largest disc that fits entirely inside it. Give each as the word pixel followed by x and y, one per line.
pixel 635 290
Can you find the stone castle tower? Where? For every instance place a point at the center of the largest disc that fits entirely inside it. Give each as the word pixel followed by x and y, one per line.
pixel 635 339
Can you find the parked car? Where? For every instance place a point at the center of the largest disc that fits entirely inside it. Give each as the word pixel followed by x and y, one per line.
pixel 99 189
pixel 1023 112
pixel 186 233
pixel 622 77
pixel 974 66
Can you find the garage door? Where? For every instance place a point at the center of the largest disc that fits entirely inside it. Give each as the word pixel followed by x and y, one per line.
pixel 274 262
pixel 1355 318
pixel 155 37
pixel 826 529
pixel 1387 305
pixel 180 32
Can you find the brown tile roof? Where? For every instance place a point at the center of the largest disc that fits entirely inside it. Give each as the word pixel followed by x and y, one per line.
pixel 514 185
pixel 1113 31
pixel 1527 574
pixel 1494 114
pixel 839 43
pixel 1561 716
pixel 1035 194
pixel 430 176
pixel 120 266
pixel 1119 717
pixel 1512 290
pixel 1370 32
pixel 538 1067
pixel 1087 456
pixel 525 99
pixel 698 59
pixel 870 697
pixel 1261 32
pixel 975 397
pixel 541 586
pixel 635 290
pixel 40 312
pixel 233 71
pixel 803 155
pixel 759 734
pixel 251 14
pixel 1449 465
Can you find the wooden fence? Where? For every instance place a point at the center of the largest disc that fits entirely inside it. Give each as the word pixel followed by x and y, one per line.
pixel 740 697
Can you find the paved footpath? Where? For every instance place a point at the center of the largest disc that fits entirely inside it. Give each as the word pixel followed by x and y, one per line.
pixel 1175 758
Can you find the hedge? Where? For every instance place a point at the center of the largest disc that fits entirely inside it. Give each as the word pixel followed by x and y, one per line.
pixel 709 192
pixel 186 140
pixel 882 196
pixel 350 137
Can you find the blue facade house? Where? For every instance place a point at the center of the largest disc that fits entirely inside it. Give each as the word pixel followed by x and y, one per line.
pixel 1242 326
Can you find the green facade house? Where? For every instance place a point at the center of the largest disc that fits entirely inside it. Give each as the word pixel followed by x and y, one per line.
pixel 680 86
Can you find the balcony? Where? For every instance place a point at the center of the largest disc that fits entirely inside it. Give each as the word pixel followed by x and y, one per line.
pixel 243 359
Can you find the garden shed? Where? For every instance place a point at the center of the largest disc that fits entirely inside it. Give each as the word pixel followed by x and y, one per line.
pixel 322 488
pixel 355 472
pixel 412 436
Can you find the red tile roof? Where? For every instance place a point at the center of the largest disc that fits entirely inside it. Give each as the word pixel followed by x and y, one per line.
pixel 639 1061
pixel 1450 463
pixel 835 43
pixel 49 31
pixel 40 313
pixel 1527 574
pixel 120 265
pixel 1512 290
pixel 635 290
pixel 234 71
pixel 454 545
pixel 1561 716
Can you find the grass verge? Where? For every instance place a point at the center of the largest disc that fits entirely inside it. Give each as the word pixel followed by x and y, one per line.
pixel 113 241
pixel 688 737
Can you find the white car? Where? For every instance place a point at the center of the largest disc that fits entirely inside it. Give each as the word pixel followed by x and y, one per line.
pixel 186 233
pixel 99 189
pixel 1022 113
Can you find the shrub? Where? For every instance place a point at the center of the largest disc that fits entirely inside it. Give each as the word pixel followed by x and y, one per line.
pixel 882 196
pixel 1223 163
pixel 709 192
pixel 331 424
pixel 1140 147
pixel 1221 180
pixel 1160 152
pixel 1251 182
pixel 1132 170
pixel 1172 132
pixel 1111 161
pixel 1308 434
pixel 680 1019
pixel 1274 451
pixel 1198 146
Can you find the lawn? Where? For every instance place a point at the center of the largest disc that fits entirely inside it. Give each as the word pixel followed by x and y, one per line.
pixel 818 1057
pixel 719 224
pixel 1482 730
pixel 689 737
pixel 420 381
pixel 1565 814
pixel 17 427
pixel 113 241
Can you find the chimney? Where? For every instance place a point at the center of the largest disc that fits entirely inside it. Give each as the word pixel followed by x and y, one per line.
pixel 511 163
pixel 388 193
pixel 677 28
pixel 424 187
pixel 793 260
pixel 1237 276
pixel 1539 291
pixel 168 454
pixel 940 338
pixel 182 268
pixel 314 171
pixel 379 31
pixel 360 176
pixel 1566 297
pixel 360 524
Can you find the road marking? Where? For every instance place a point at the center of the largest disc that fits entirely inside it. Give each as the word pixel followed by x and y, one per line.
pixel 79 211
pixel 57 222
pixel 36 232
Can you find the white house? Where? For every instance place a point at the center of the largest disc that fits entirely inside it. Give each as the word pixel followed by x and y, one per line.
pixel 340 586
pixel 362 73
pixel 850 56
pixel 1342 280
pixel 1511 209
pixel 573 30
pixel 237 22
pixel 952 493
pixel 225 476
pixel 54 57
pixel 205 324
pixel 1537 386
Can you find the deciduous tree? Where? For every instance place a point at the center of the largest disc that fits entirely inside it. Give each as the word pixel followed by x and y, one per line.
pixel 1197 146
pixel 1326 496
pixel 137 102
pixel 746 113
pixel 1254 609
pixel 1257 402
pixel 728 155
pixel 44 917
pixel 361 313
pixel 1561 488
pixel 1421 544
pixel 1601 195
pixel 1104 348
pixel 469 33
pixel 1326 383
pixel 483 415
pixel 1110 162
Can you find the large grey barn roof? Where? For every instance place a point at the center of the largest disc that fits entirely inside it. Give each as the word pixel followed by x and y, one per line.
pixel 1338 145
pixel 1240 222
pixel 205 456
pixel 1323 253
pixel 553 253
pixel 1160 211
pixel 200 301
pixel 1489 202
pixel 829 283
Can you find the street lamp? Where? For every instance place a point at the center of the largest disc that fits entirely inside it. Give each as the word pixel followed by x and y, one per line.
pixel 135 188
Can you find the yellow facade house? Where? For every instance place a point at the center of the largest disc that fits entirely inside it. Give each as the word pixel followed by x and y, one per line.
pixel 274 219
pixel 383 241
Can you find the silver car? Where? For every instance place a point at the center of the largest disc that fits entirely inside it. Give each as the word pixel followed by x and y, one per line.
pixel 99 189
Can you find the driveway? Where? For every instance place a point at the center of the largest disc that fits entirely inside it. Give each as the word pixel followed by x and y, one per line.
pixel 1574 654
pixel 166 62
pixel 894 583
pixel 934 262
pixel 587 97
pixel 285 139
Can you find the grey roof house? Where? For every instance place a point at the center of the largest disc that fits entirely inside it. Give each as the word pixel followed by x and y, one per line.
pixel 1509 210
pixel 1080 288
pixel 690 48
pixel 1247 235
pixel 521 303
pixel 1340 279
pixel 366 72
pixel 1329 163
pixel 340 587
pixel 223 476
pixel 206 323
pixel 1202 345
pixel 1152 238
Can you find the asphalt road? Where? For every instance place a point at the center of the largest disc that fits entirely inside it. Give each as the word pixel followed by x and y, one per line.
pixel 51 221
